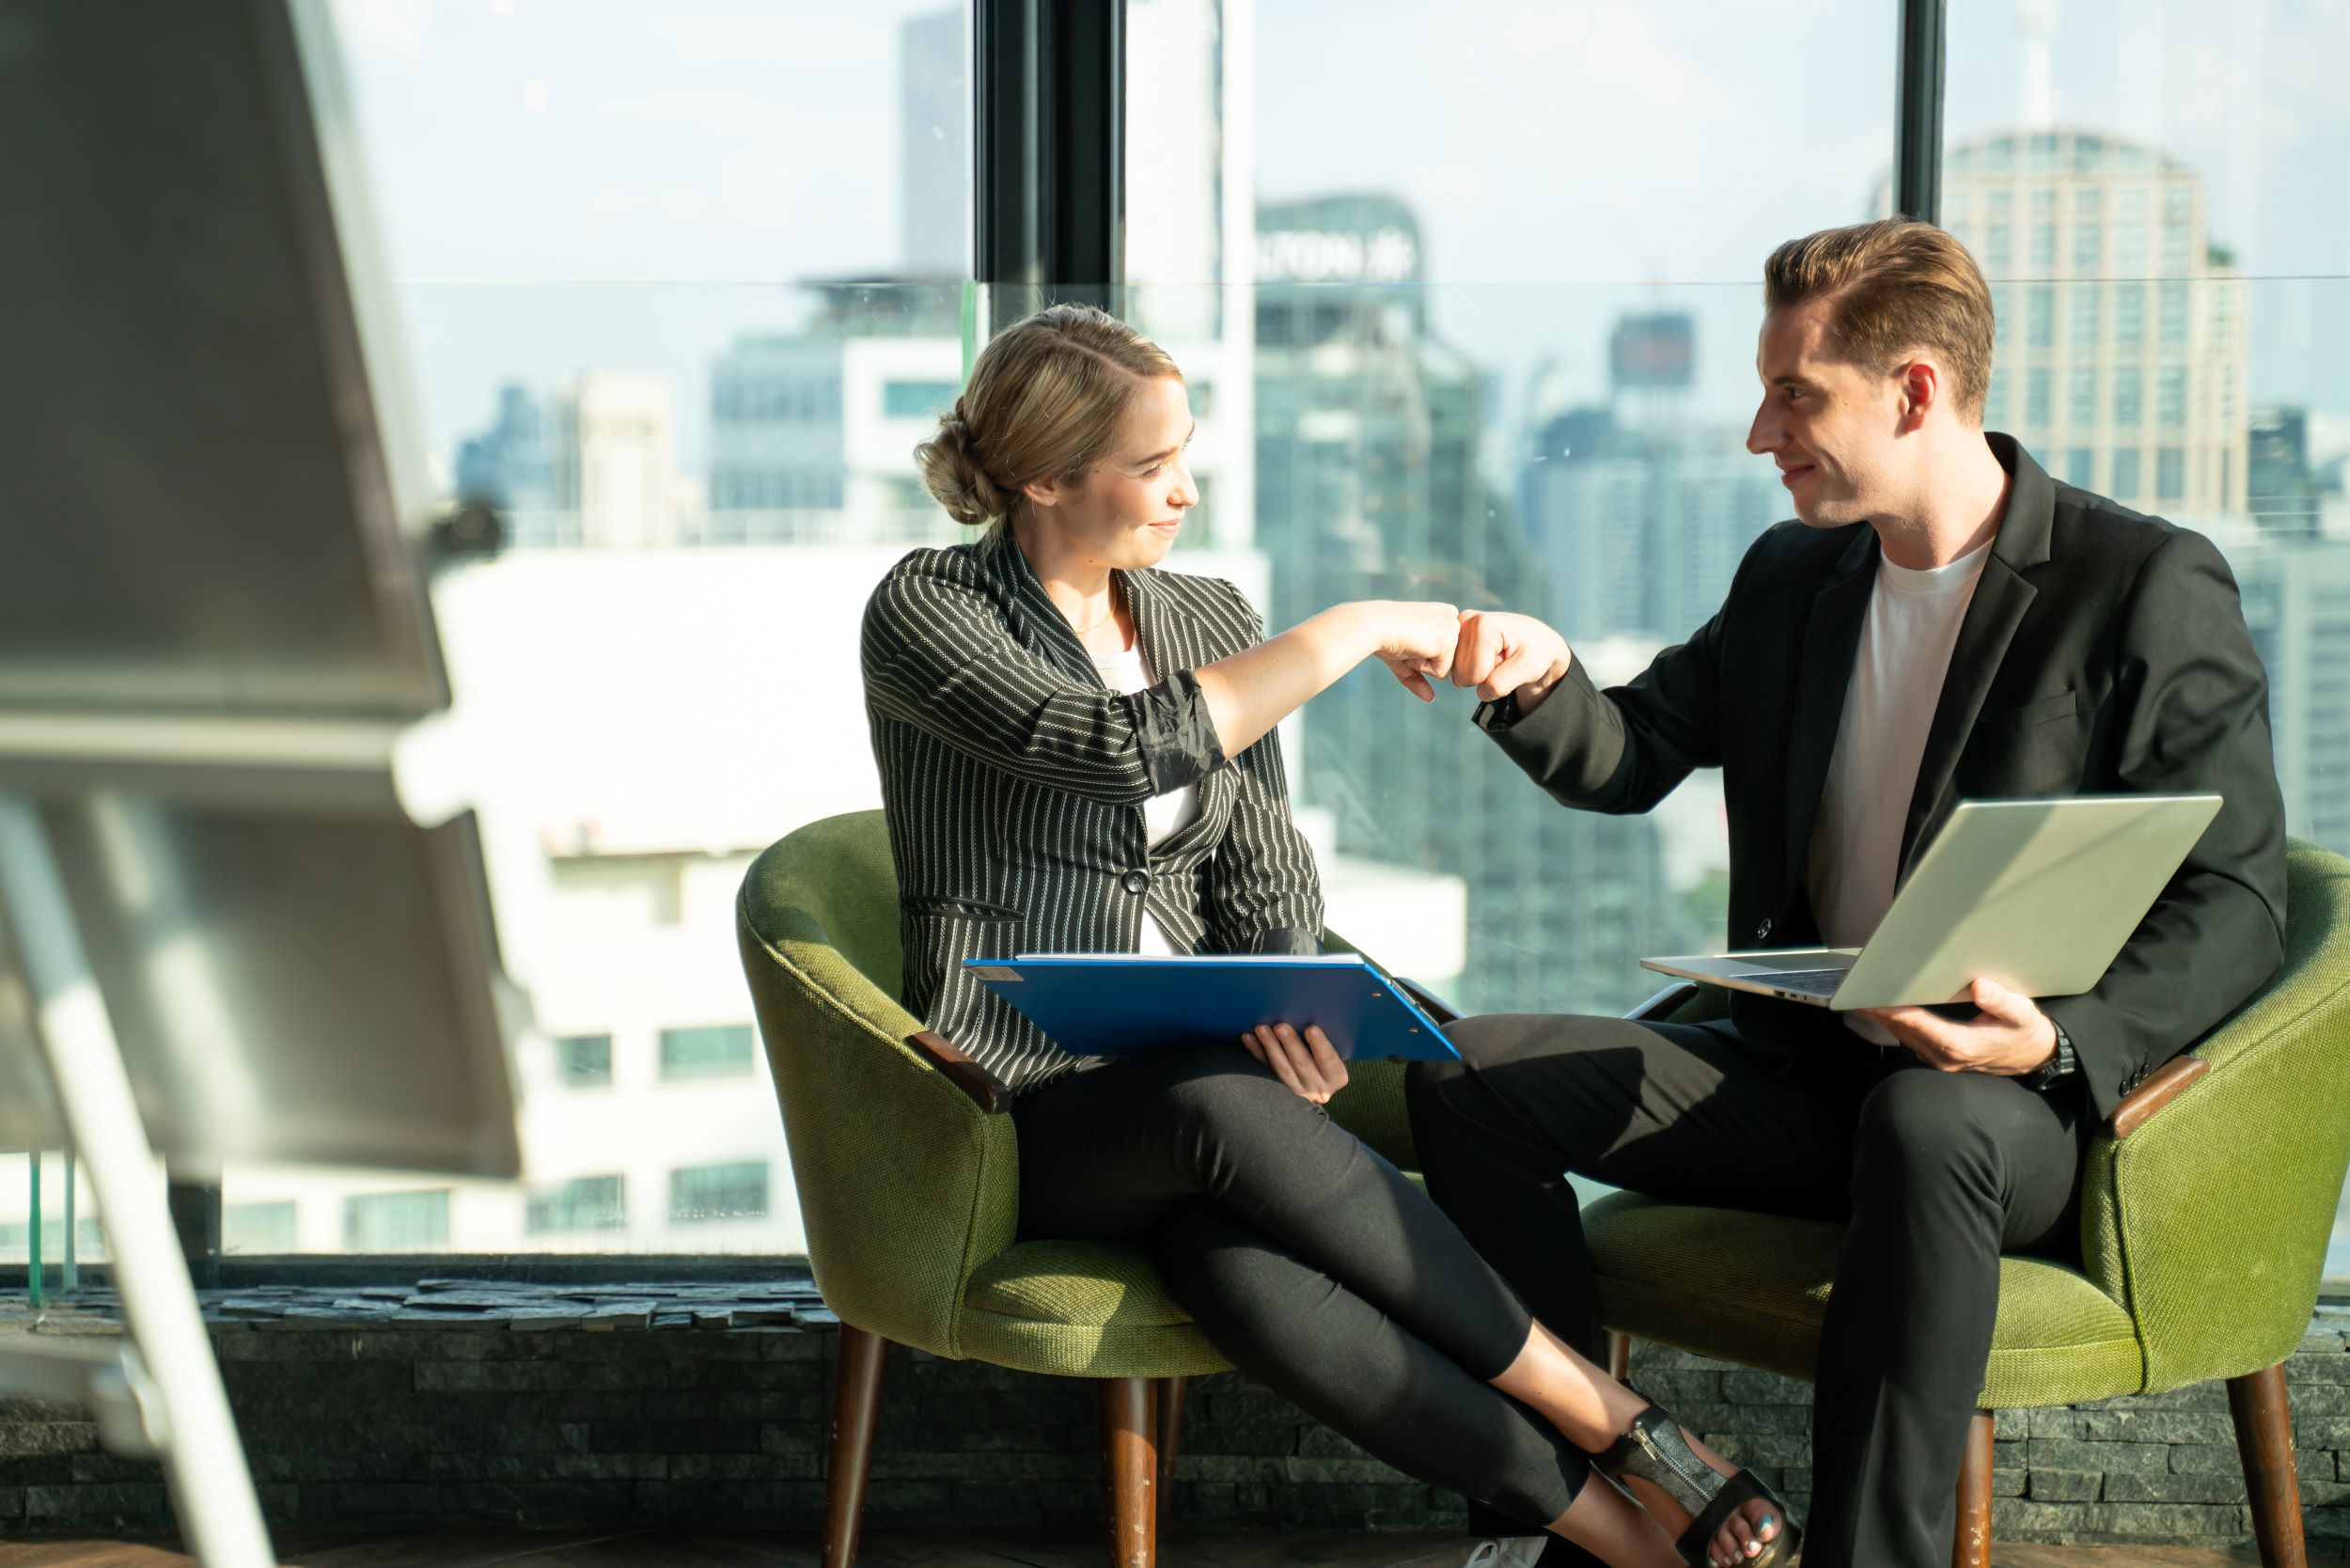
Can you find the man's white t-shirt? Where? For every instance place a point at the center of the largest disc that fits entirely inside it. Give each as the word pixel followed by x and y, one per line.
pixel 1905 646
pixel 1162 816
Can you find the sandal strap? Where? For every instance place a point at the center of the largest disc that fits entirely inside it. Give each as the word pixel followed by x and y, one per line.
pixel 1737 1491
pixel 1654 1450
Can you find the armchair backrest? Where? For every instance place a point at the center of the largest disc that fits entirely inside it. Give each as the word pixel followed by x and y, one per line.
pixel 905 1185
pixel 2209 1220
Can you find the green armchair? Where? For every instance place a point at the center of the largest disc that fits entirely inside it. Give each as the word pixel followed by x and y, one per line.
pixel 908 1176
pixel 2204 1219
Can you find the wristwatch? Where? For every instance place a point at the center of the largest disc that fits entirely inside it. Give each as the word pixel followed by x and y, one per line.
pixel 2058 1067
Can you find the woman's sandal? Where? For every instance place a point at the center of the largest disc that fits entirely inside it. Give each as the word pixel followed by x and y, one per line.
pixel 1654 1450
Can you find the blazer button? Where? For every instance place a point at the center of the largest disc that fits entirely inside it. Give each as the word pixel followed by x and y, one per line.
pixel 1136 882
pixel 1763 931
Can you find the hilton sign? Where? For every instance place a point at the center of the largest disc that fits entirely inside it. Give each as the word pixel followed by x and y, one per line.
pixel 1325 256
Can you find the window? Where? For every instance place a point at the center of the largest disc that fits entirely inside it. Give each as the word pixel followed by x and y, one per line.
pixel 2129 397
pixel 2036 397
pixel 667 382
pixel 723 1051
pixel 2086 300
pixel 914 399
pixel 736 1191
pixel 2177 246
pixel 2088 243
pixel 2082 408
pixel 2042 325
pixel 2129 317
pixel 1994 400
pixel 265 1229
pixel 584 1061
pixel 2042 260
pixel 2125 486
pixel 2171 399
pixel 2174 316
pixel 582 1204
pixel 2169 474
pixel 2080 465
pixel 395 1222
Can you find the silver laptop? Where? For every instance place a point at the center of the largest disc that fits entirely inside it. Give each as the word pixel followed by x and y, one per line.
pixel 2038 895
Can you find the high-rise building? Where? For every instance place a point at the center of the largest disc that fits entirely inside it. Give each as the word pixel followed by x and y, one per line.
pixel 1368 486
pixel 509 465
pixel 2290 496
pixel 612 449
pixel 1639 515
pixel 2296 600
pixel 2121 336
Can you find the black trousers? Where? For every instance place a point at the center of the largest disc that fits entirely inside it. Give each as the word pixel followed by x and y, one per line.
pixel 1935 1174
pixel 1311 1263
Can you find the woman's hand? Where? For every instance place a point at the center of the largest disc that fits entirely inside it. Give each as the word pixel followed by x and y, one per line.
pixel 1307 1064
pixel 1415 640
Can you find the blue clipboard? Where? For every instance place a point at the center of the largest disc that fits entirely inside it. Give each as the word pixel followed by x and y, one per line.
pixel 1124 1005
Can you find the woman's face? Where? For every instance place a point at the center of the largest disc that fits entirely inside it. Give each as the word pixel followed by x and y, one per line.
pixel 1126 512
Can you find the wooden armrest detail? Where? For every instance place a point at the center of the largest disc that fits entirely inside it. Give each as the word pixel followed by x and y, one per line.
pixel 2160 1087
pixel 1663 1004
pixel 986 1091
pixel 1425 1000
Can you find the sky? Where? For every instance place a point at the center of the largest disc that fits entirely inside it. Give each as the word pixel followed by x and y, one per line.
pixel 567 184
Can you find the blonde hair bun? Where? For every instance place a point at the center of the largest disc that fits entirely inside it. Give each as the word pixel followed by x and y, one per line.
pixel 1046 398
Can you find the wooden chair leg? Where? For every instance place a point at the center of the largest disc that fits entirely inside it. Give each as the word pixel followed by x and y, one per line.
pixel 1130 1465
pixel 1971 1545
pixel 1170 1435
pixel 2263 1437
pixel 855 1413
pixel 1619 1356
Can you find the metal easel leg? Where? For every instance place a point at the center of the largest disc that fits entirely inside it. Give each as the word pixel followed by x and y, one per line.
pixel 203 1461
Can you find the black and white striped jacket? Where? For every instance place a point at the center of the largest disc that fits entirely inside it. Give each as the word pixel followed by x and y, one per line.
pixel 1015 782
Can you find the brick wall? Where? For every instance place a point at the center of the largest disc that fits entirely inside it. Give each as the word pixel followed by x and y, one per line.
pixel 379 1426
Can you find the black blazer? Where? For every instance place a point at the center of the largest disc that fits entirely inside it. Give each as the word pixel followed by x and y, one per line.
pixel 2102 652
pixel 1014 781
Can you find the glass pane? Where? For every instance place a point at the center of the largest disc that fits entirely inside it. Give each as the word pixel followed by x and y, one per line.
pixel 612 231
pixel 721 1052
pixel 395 1222
pixel 736 1191
pixel 584 1061
pixel 257 1228
pixel 582 1204
pixel 2179 141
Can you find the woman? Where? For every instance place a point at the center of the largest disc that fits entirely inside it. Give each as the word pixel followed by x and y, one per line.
pixel 1076 754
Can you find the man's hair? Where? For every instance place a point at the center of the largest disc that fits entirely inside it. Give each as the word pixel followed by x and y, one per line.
pixel 1893 287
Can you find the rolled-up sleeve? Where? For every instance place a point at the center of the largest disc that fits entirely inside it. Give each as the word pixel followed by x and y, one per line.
pixel 938 654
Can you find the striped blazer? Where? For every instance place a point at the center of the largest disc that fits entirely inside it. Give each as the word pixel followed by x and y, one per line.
pixel 1014 780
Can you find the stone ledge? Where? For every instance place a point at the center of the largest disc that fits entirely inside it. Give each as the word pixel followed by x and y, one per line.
pixel 469 1402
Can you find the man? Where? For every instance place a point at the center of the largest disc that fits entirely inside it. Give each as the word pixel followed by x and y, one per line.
pixel 1941 621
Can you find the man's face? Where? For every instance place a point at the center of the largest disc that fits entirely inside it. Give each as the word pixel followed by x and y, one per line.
pixel 1831 426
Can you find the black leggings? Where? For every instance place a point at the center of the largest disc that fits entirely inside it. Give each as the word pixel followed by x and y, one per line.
pixel 1311 1263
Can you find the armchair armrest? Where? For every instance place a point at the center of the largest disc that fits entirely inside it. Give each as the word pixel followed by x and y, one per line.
pixel 986 1091
pixel 2158 1091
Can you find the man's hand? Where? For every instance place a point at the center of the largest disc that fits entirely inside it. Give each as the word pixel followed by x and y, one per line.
pixel 2011 1036
pixel 1310 1067
pixel 1500 654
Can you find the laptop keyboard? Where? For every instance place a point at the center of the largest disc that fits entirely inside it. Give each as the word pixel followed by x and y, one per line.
pixel 1822 981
